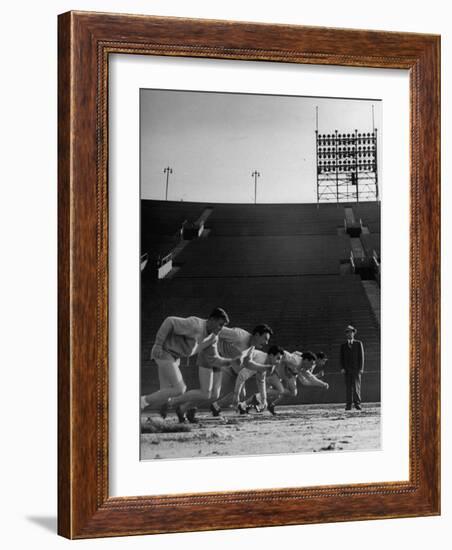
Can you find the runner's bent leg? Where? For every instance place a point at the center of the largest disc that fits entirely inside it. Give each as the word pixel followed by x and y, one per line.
pixel 277 390
pixel 292 386
pixel 192 397
pixel 242 377
pixel 215 389
pixel 171 383
pixel 227 388
pixel 216 386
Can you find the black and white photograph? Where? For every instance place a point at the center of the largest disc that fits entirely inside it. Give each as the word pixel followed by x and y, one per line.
pixel 260 274
pixel 197 201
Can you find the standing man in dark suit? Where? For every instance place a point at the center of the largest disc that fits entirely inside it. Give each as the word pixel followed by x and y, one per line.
pixel 352 365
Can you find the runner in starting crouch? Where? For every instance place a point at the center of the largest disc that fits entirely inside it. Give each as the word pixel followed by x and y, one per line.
pixel 282 382
pixel 218 366
pixel 256 362
pixel 233 341
pixel 210 366
pixel 177 338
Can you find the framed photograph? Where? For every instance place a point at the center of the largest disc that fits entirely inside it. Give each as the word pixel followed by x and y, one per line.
pixel 248 275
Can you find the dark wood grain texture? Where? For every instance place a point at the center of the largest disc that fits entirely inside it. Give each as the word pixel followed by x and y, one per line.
pixel 85 42
pixel 64 296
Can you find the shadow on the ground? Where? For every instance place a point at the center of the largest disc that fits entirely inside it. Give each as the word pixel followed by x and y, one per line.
pixel 49 523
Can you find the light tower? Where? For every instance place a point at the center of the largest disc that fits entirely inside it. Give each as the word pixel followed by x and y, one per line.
pixel 347 165
pixel 255 175
pixel 168 170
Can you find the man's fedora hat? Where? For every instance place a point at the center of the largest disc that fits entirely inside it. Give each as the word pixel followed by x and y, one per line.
pixel 350 327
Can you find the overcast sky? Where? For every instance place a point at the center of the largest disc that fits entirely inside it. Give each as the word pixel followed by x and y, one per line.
pixel 214 141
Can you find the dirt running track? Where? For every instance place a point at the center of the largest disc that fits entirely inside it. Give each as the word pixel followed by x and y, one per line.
pixel 295 429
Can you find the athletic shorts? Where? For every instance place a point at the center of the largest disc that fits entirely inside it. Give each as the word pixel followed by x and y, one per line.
pixel 208 367
pixel 167 362
pixel 273 378
pixel 245 374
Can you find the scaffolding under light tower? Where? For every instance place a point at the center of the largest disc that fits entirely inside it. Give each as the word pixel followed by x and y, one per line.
pixel 347 168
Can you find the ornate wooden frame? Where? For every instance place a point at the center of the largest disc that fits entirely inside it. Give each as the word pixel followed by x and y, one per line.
pixel 85 42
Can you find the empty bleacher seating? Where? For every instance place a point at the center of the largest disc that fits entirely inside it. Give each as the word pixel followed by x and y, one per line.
pixel 275 219
pixel 369 213
pixel 264 256
pixel 370 243
pixel 166 217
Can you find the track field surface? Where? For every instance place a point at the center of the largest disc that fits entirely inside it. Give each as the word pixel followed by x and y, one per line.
pixel 295 429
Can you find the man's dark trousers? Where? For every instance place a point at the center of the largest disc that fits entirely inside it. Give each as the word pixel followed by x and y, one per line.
pixel 352 362
pixel 352 388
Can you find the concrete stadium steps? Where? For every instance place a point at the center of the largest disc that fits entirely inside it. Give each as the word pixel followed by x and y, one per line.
pixel 305 313
pixel 275 219
pixel 166 217
pixel 371 242
pixel 263 263
pixel 264 256
pixel 273 227
pixel 369 213
pixel 307 301
pixel 158 245
pixel 372 290
pixel 374 226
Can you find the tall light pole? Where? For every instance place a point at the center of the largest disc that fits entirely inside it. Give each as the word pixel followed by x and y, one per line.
pixel 255 175
pixel 168 170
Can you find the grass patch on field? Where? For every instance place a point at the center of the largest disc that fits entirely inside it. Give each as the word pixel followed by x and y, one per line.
pixel 156 426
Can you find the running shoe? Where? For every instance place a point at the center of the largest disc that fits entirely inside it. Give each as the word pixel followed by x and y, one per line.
pixel 191 416
pixel 271 408
pixel 180 414
pixel 164 410
pixel 143 402
pixel 215 409
pixel 255 402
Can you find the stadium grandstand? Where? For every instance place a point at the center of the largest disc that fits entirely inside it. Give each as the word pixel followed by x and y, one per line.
pixel 307 270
